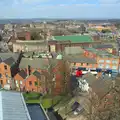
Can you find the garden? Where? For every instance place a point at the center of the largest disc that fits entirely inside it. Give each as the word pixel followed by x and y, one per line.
pixel 47 101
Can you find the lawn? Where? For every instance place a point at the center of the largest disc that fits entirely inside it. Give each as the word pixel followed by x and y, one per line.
pixel 32 97
pixel 33 101
pixel 49 101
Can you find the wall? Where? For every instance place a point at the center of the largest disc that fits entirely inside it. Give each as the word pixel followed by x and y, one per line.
pixel 6 74
pixel 33 87
pixel 18 78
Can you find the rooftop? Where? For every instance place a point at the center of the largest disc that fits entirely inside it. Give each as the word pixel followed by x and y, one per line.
pixel 101 53
pixel 12 108
pixel 73 50
pixel 80 59
pixel 36 63
pixel 5 56
pixel 74 38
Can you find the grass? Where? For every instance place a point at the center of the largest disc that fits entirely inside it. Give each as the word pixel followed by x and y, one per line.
pixel 31 94
pixel 48 101
pixel 32 97
pixel 33 101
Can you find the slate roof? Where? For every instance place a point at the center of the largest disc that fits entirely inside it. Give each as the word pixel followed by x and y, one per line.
pixel 36 63
pixel 37 74
pixel 101 87
pixel 0 60
pixel 100 46
pixel 5 56
pixel 73 50
pixel 12 106
pixel 10 61
pixel 80 59
pixel 23 74
pixel 74 38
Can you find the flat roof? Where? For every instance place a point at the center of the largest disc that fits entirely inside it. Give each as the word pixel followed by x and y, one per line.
pixel 74 38
pixel 12 106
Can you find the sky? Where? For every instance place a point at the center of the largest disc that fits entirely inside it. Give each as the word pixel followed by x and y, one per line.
pixel 82 9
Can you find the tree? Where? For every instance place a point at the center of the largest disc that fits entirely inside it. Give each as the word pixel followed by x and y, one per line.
pixel 106 31
pixel 1 38
pixel 82 29
pixel 35 36
pixel 99 109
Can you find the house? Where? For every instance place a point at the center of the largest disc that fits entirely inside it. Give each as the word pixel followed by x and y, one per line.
pixel 8 67
pixel 35 82
pixel 52 68
pixel 19 79
pixel 81 61
pixel 58 43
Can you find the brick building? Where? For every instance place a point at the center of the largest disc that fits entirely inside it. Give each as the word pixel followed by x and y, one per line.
pixel 57 72
pixel 58 43
pixel 104 59
pixel 8 67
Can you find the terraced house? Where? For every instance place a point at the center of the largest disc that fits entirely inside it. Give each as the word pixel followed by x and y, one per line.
pixel 33 82
pixel 53 70
pixel 8 67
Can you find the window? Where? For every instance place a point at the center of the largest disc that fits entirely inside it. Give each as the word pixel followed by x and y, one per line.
pixel 114 62
pixel 16 82
pixel 74 63
pixel 36 83
pixel 101 61
pixel 87 64
pixel 114 67
pixel 5 67
pixel 6 75
pixel 8 81
pixel 1 82
pixel 81 64
pixel 101 65
pixel 107 61
pixel 21 82
pixel 30 82
pixel 0 75
pixel 107 66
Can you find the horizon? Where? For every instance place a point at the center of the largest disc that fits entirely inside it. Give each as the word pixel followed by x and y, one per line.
pixel 60 9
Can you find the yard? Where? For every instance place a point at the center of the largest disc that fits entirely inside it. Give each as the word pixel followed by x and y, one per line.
pixel 32 97
pixel 47 101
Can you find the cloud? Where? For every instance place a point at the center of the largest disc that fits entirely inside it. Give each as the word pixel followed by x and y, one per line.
pixel 60 9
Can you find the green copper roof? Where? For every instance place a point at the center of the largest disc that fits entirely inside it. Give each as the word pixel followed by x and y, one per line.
pixel 74 38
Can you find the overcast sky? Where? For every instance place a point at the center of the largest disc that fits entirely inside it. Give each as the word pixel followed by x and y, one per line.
pixel 60 9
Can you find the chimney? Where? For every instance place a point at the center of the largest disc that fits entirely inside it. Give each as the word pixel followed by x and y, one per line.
pixel 29 70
